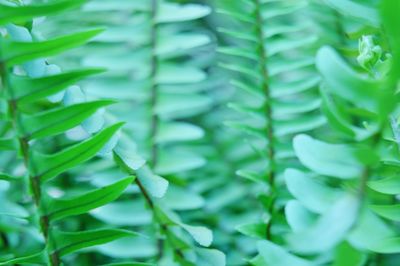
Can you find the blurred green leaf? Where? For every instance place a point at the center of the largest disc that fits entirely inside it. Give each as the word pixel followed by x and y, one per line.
pixel 273 254
pixel 331 228
pixel 336 160
pixel 171 12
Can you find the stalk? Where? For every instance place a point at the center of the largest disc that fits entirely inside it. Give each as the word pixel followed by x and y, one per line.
pixel 164 227
pixel 267 111
pixel 154 85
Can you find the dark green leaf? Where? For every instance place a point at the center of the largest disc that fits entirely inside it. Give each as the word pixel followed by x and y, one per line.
pixel 12 14
pixel 59 120
pixel 49 166
pixel 14 53
pixel 64 243
pixel 61 208
pixel 27 90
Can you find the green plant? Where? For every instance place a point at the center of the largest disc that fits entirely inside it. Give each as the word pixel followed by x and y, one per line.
pixel 199 133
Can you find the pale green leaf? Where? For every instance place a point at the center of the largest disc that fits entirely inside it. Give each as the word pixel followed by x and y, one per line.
pixel 313 194
pixel 331 228
pixel 275 255
pixel 336 160
pixel 171 12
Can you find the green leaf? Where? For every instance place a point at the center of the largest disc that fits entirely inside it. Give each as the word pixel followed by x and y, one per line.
pixel 256 230
pixel 257 261
pixel 210 257
pixel 331 228
pixel 171 162
pixel 391 21
pixel 13 14
pixel 61 208
pixel 35 259
pixel 357 11
pixel 242 16
pixel 126 157
pixel 178 43
pixel 117 5
pixel 177 132
pixel 27 90
pixel 282 45
pixel 280 89
pixel 387 246
pixel 182 199
pixel 56 121
pixel 292 107
pixel 64 243
pixel 336 160
pixel 337 117
pixel 122 248
pixel 14 53
pixel 173 106
pixel 49 166
pixel 275 255
pixel 7 177
pixel 283 10
pixel 391 212
pixel 314 195
pixel 200 234
pixel 343 81
pixel 369 222
pixel 8 208
pixel 123 213
pixel 9 144
pixel 239 52
pixel 171 12
pixel 154 184
pixel 173 74
pixel 299 125
pixel 298 217
pixel 389 185
pixel 346 255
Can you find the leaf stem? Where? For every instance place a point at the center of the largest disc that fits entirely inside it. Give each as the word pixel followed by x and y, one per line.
pixel 154 85
pixel 153 104
pixel 164 227
pixel 267 111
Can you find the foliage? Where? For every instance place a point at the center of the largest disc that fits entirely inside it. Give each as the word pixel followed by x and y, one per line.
pixel 209 133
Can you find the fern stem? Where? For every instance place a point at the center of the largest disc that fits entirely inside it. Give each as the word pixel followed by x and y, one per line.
pixel 163 226
pixel 34 181
pixel 153 103
pixel 154 85
pixel 267 110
